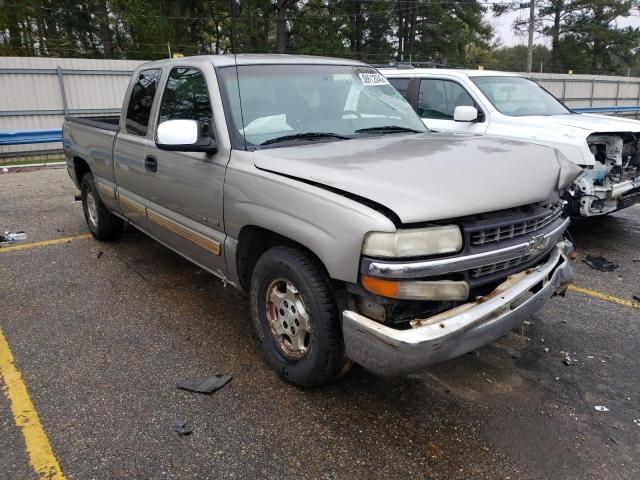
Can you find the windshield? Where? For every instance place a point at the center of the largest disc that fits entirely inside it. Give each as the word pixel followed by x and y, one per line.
pixel 310 103
pixel 518 96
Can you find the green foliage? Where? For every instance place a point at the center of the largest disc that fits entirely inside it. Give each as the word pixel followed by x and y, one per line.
pixel 583 33
pixel 515 58
pixel 377 31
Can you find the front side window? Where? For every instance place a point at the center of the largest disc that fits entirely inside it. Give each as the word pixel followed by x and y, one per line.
pixel 186 97
pixel 141 101
pixel 518 96
pixel 305 102
pixel 438 99
pixel 400 84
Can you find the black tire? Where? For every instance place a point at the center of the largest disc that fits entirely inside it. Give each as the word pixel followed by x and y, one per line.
pixel 105 226
pixel 324 360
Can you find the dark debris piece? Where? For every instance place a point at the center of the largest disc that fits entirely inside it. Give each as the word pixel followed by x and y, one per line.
pixel 600 263
pixel 636 298
pixel 182 428
pixel 205 384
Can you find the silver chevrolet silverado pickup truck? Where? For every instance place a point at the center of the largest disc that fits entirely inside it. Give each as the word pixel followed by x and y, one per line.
pixel 312 185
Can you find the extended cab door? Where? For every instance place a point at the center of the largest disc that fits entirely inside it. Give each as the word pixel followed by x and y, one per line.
pixel 131 144
pixel 184 192
pixel 437 100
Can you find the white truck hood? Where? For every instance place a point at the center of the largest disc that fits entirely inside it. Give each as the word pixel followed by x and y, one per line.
pixel 567 133
pixel 593 123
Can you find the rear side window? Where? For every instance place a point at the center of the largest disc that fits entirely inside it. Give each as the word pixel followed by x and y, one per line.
pixel 400 84
pixel 140 102
pixel 438 99
pixel 186 97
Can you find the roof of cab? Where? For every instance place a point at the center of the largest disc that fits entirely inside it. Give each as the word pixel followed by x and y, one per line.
pixel 253 59
pixel 454 72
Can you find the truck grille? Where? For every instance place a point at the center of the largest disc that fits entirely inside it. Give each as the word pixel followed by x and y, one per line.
pixel 516 228
pixel 498 267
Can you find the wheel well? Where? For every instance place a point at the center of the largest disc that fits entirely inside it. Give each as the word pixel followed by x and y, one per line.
pixel 252 243
pixel 81 168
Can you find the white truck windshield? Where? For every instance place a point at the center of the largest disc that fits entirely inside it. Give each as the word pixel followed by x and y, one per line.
pixel 309 102
pixel 518 96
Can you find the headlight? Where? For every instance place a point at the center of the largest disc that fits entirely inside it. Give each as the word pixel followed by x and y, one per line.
pixel 413 243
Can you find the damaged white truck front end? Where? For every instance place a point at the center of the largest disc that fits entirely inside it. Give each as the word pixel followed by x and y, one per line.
pixel 612 182
pixel 503 104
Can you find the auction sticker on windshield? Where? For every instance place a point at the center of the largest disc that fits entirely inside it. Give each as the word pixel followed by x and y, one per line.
pixel 373 79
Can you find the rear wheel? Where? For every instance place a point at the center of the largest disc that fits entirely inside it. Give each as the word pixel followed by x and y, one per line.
pixel 102 223
pixel 296 318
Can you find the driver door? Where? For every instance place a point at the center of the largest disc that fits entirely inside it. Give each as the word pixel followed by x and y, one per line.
pixel 184 203
pixel 437 100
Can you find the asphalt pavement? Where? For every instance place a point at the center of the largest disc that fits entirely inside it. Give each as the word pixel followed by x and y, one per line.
pixel 101 333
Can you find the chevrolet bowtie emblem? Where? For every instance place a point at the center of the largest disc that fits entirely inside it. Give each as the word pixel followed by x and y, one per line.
pixel 538 244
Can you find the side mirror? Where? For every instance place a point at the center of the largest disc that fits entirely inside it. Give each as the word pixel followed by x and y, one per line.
pixel 183 136
pixel 465 113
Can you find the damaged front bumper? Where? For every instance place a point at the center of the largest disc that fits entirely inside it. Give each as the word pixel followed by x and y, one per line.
pixel 599 200
pixel 388 351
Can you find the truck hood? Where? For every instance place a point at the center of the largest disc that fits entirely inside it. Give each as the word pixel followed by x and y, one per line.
pixel 425 177
pixel 566 133
pixel 588 122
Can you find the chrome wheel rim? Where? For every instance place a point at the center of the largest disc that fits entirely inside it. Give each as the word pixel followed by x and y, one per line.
pixel 92 209
pixel 288 319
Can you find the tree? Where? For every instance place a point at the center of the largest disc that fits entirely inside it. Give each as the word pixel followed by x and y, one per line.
pixel 440 31
pixel 583 29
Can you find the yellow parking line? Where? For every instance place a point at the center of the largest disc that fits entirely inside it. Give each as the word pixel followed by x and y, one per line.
pixel 55 241
pixel 36 442
pixel 604 296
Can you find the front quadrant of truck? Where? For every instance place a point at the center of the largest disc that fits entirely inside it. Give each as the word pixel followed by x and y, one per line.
pixel 312 185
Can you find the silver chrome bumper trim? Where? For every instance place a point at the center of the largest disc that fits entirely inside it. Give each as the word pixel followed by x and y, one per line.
pixel 388 351
pixel 425 268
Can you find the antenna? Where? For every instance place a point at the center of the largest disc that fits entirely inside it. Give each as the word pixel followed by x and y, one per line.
pixel 234 43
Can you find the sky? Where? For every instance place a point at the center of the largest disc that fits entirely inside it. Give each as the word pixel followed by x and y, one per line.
pixel 504 31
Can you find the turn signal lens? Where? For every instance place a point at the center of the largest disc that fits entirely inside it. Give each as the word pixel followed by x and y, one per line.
pixel 384 288
pixel 413 243
pixel 436 290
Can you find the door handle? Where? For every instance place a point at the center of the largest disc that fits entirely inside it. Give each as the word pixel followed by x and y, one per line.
pixel 151 163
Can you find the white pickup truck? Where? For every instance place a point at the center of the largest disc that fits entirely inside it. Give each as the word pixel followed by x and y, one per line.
pixel 504 104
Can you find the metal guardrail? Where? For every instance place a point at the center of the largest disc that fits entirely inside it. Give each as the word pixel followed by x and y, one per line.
pixel 614 109
pixel 25 137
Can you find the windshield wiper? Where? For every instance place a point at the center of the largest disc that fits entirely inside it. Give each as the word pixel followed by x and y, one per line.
pixel 388 128
pixel 304 136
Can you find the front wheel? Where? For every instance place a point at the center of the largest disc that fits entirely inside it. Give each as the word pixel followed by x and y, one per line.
pixel 296 318
pixel 102 223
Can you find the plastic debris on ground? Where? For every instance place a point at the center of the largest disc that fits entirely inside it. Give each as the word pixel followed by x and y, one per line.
pixel 600 263
pixel 566 358
pixel 205 384
pixel 637 421
pixel 636 298
pixel 601 408
pixel 12 237
pixel 182 428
